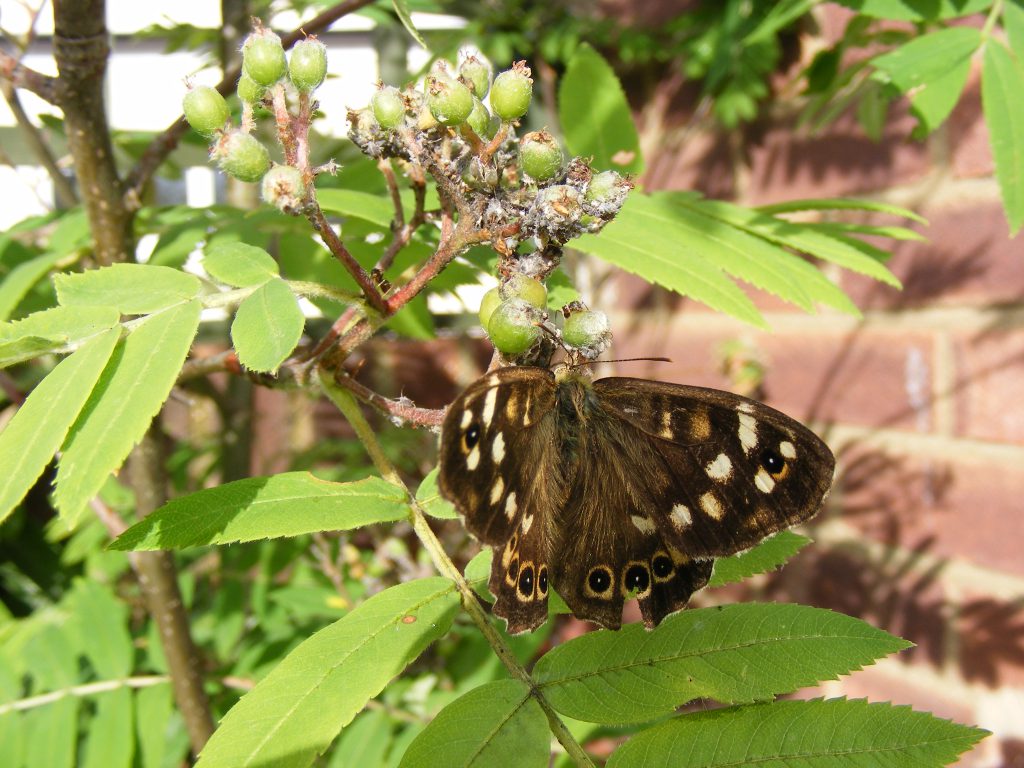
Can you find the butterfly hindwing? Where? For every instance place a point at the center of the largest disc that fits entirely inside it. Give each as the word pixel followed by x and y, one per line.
pixel 495 439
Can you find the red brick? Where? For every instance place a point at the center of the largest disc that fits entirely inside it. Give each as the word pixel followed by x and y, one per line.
pixel 787 164
pixel 990 369
pixel 991 641
pixel 970 153
pixel 964 506
pixel 967 259
pixel 871 377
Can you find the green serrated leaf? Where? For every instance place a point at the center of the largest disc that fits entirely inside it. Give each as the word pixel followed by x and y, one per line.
pixel 928 58
pixel 130 392
pixel 43 421
pixel 1002 82
pixel 153 707
pixel 430 499
pixel 766 556
pixel 840 204
pixel 239 264
pixel 361 205
pixel 639 241
pixel 52 330
pixel 595 114
pixel 267 326
pixel 846 252
pixel 132 289
pixel 1013 22
pixel 295 712
pixel 801 734
pixel 103 619
pixel 733 654
pixel 402 11
pixel 19 281
pixel 51 732
pixel 498 724
pixel 111 741
pixel 917 10
pixel 364 742
pixel 287 504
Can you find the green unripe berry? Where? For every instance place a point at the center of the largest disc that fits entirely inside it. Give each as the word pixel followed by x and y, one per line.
pixel 529 289
pixel 511 92
pixel 243 157
pixel 249 90
pixel 307 64
pixel 512 327
pixel 205 110
pixel 602 186
pixel 588 328
pixel 540 157
pixel 263 57
pixel 488 303
pixel 449 100
pixel 283 186
pixel 388 107
pixel 476 74
pixel 480 119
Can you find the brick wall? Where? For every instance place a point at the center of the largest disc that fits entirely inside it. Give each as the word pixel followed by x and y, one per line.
pixel 922 400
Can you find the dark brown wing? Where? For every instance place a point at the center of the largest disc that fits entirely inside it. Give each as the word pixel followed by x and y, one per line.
pixel 728 470
pixel 499 467
pixel 609 546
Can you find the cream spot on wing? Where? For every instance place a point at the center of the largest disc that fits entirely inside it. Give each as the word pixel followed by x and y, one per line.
pixel 643 524
pixel 498 448
pixel 489 402
pixel 497 489
pixel 474 458
pixel 712 506
pixel 748 432
pixel 511 506
pixel 467 417
pixel 630 411
pixel 720 468
pixel 511 406
pixel 700 425
pixel 666 425
pixel 787 449
pixel 527 523
pixel 681 516
pixel 764 481
pixel 526 410
pixel 745 408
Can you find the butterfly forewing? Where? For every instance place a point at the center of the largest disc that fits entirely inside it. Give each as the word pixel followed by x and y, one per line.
pixel 738 470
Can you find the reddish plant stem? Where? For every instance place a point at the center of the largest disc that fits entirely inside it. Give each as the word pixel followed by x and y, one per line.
pixel 20 76
pixel 419 417
pixel 341 253
pixel 165 143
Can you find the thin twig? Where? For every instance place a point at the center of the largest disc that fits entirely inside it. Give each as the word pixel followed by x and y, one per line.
pixel 85 689
pixel 350 409
pixel 341 253
pixel 396 409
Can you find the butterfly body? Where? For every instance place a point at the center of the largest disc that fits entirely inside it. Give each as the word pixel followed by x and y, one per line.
pixel 619 487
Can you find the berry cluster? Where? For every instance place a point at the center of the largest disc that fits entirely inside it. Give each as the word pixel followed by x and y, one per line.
pixel 518 193
pixel 520 189
pixel 268 79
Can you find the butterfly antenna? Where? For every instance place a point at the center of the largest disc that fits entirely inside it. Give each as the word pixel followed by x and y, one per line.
pixel 630 360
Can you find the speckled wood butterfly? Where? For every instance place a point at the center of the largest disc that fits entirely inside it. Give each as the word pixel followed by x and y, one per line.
pixel 618 487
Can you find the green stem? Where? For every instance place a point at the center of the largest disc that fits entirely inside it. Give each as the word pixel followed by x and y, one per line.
pixel 994 13
pixel 349 408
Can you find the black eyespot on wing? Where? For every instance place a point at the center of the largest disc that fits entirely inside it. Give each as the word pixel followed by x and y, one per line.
pixel 471 436
pixel 526 581
pixel 542 580
pixel 772 461
pixel 599 580
pixel 662 566
pixel 513 568
pixel 636 578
